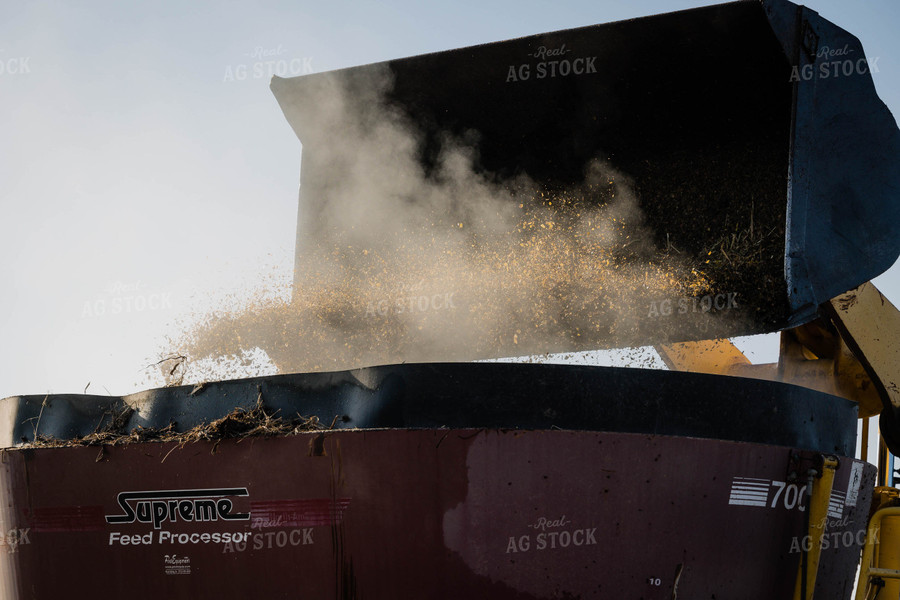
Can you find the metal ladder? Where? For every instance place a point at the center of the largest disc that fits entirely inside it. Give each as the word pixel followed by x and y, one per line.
pixel 872 575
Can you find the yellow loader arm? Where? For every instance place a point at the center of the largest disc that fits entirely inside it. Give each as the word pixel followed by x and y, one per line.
pixel 852 351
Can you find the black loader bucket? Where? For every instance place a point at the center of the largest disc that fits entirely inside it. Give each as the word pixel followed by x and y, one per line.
pixel 714 172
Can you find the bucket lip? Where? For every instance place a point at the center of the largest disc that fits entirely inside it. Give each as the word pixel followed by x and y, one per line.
pixel 511 396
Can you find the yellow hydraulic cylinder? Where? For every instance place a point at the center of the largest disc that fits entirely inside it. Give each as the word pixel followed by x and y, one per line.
pixel 818 514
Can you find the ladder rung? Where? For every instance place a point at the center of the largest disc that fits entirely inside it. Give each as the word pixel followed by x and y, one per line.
pixel 889 573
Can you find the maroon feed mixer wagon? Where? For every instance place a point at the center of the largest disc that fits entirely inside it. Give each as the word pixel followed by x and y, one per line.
pixel 692 176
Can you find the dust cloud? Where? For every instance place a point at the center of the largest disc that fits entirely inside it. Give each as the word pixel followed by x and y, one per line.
pixel 409 254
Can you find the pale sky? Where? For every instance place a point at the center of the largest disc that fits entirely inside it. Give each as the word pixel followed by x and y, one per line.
pixel 147 170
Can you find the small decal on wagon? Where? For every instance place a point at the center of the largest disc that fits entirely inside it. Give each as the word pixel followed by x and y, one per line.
pixel 768 493
pixel 176 564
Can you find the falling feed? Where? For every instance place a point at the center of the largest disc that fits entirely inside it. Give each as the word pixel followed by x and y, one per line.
pixel 401 259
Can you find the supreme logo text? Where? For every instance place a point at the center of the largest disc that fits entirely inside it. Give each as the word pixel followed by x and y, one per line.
pixel 158 507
